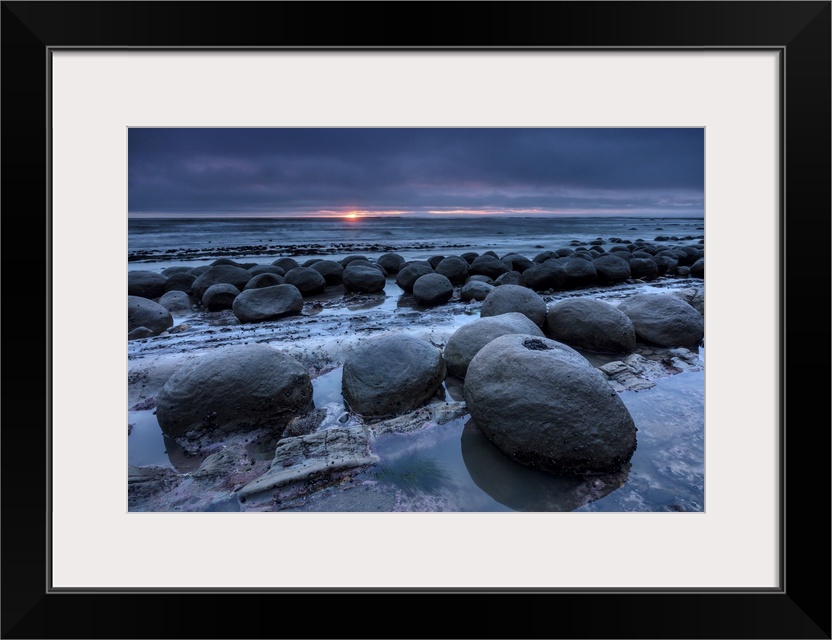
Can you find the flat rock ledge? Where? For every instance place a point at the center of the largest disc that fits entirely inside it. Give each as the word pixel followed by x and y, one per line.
pixel 637 372
pixel 433 414
pixel 315 459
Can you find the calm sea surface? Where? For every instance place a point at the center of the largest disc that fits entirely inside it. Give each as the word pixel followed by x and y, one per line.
pixel 199 239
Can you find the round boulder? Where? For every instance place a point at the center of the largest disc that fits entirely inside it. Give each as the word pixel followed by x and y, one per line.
pixel 664 320
pixel 331 270
pixel 391 262
pixel 432 289
pixel 219 296
pixel 546 275
pixel 180 281
pixel 542 404
pixel 306 279
pixel 142 312
pixel 345 262
pixel 475 290
pixel 225 261
pixel 287 264
pixel 510 277
pixel 221 274
pixel 434 261
pixel 391 374
pixel 516 262
pixel 175 301
pixel 644 268
pixel 169 271
pixel 512 297
pixel 266 268
pixel 409 274
pixel 579 273
pixel 232 389
pixel 466 341
pixel 591 325
pixel 454 268
pixel 146 284
pixel 363 278
pixel 487 265
pixel 697 269
pixel 267 303
pixel 263 280
pixel 611 269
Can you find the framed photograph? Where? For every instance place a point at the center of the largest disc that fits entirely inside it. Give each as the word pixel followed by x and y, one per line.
pixel 106 103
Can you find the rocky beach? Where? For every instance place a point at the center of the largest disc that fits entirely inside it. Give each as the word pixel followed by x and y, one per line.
pixel 483 373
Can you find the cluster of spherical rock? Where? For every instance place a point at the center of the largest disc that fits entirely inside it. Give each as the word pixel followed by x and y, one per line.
pixel 258 292
pixel 526 387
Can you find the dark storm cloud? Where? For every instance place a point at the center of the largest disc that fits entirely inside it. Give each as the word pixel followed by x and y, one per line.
pixel 297 171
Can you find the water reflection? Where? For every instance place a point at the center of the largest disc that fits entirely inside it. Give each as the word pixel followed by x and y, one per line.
pixel 407 302
pixel 326 388
pixel 181 460
pixel 525 489
pixel 454 386
pixel 145 443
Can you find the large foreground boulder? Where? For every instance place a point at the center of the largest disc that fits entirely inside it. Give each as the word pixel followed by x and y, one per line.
pixel 235 388
pixel 542 404
pixel 268 303
pixel 142 312
pixel 391 374
pixel 466 341
pixel 591 325
pixel 664 320
pixel 511 297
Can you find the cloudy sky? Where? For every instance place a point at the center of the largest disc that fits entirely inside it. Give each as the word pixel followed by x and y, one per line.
pixel 415 171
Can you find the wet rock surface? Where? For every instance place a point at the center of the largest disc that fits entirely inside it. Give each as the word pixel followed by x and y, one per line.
pixel 391 374
pixel 545 406
pixel 320 336
pixel 236 388
pixel 467 341
pixel 591 325
pixel 144 313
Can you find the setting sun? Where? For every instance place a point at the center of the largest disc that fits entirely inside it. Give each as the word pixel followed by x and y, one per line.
pixel 351 216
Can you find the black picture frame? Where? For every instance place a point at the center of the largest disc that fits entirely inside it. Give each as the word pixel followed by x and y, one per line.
pixel 799 608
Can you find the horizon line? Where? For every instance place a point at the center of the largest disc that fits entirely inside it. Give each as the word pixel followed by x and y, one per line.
pixel 347 216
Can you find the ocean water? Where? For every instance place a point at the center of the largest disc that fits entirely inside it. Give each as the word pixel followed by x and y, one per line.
pixel 193 241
